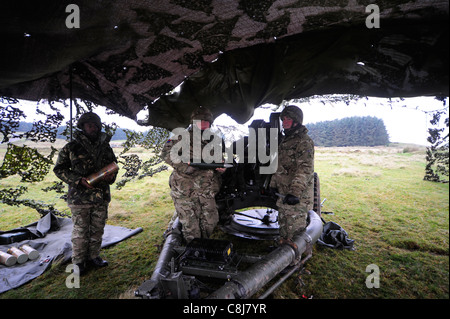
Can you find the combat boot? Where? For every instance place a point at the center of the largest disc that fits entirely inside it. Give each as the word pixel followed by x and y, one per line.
pixel 98 262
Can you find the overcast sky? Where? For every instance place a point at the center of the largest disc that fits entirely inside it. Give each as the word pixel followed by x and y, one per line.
pixel 405 121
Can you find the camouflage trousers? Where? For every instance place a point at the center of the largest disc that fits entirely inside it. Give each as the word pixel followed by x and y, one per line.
pixel 88 227
pixel 291 219
pixel 198 215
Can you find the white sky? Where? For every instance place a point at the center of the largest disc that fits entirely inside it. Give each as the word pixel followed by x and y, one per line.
pixel 405 121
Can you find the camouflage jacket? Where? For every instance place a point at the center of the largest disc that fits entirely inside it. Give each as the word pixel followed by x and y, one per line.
pixel 295 172
pixel 185 179
pixel 80 158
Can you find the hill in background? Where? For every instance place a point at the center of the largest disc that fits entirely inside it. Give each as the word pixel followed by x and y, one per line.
pixel 26 127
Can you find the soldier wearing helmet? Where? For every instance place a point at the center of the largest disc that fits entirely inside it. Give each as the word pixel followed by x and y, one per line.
pixel 202 114
pixel 295 174
pixel 88 153
pixel 89 117
pixel 193 190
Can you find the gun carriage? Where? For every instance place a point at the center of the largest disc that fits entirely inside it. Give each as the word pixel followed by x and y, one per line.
pixel 247 209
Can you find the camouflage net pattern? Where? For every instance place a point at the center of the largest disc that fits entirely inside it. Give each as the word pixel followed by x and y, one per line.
pixel 31 166
pixel 10 116
pixel 26 162
pixel 135 167
pixel 231 56
pixel 437 154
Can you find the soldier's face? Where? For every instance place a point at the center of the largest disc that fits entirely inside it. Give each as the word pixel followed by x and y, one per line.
pixel 203 125
pixel 287 122
pixel 90 129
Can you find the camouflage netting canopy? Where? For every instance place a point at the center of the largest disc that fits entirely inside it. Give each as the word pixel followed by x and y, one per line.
pixel 229 55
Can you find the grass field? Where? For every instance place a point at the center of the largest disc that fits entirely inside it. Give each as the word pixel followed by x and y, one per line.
pixel 399 222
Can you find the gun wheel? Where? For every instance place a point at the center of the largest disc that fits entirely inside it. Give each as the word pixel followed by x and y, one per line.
pixel 256 223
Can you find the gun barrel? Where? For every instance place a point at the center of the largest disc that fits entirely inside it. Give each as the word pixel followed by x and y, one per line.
pixel 211 165
pixel 152 289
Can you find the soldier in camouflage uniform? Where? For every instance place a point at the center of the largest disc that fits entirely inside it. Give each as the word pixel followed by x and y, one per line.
pixel 193 190
pixel 295 174
pixel 88 153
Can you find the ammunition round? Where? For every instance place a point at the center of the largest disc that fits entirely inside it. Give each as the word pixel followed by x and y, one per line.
pixel 7 259
pixel 20 255
pixel 30 251
pixel 98 176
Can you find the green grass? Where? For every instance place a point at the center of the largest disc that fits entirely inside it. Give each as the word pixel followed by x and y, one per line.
pixel 399 222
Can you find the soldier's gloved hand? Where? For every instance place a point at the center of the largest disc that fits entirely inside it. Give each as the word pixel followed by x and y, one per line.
pixel 290 199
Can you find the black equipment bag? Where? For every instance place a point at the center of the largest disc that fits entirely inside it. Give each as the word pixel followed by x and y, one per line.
pixel 334 236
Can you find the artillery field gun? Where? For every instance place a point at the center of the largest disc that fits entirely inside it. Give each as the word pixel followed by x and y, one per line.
pixel 247 209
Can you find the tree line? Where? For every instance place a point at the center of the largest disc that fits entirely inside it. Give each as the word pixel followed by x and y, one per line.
pixel 350 131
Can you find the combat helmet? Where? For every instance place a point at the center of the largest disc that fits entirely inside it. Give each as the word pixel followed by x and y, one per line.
pixel 202 114
pixel 294 112
pixel 89 117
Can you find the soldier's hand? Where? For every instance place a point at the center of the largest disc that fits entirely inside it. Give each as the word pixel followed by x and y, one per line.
pixel 291 200
pixel 221 170
pixel 109 177
pixel 85 183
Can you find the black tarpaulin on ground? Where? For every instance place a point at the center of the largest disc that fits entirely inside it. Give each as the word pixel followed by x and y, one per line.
pixel 51 237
